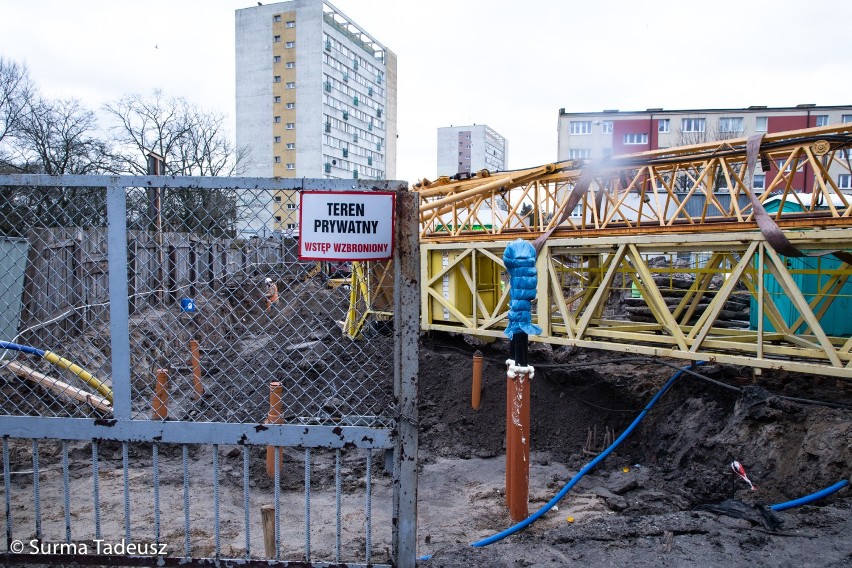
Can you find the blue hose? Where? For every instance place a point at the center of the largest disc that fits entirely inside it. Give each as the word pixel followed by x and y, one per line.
pixel 809 498
pixel 21 348
pixel 586 469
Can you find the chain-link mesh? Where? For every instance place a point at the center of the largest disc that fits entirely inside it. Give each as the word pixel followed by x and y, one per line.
pixel 223 306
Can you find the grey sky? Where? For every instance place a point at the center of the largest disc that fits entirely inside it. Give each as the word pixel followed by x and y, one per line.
pixel 511 65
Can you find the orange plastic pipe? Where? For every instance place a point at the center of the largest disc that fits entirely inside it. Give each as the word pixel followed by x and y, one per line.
pixel 160 403
pixel 476 388
pixel 518 446
pixel 276 416
pixel 195 361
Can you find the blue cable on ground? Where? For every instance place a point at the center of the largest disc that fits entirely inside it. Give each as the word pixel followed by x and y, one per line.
pixel 810 498
pixel 586 469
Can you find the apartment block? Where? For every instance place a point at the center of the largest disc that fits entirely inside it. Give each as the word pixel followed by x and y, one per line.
pixel 596 135
pixel 468 149
pixel 315 97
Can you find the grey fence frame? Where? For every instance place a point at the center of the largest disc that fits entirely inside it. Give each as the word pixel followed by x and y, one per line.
pixel 122 428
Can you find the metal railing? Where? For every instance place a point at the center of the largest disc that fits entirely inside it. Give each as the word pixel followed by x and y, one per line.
pixel 145 347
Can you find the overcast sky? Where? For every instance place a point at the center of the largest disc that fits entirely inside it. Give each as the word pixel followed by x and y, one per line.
pixel 508 64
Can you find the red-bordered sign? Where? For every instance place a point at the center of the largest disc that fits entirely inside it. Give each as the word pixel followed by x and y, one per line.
pixel 346 225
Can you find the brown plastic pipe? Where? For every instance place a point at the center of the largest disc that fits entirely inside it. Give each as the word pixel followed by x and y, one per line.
pixel 476 388
pixel 276 416
pixel 195 361
pixel 518 446
pixel 160 403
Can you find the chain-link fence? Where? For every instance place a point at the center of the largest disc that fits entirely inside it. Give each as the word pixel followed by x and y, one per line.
pixel 178 311
pixel 222 308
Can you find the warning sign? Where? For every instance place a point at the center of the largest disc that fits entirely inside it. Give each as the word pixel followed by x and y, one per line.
pixel 350 226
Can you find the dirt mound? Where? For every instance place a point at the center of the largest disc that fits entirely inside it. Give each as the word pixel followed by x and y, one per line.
pixel 792 433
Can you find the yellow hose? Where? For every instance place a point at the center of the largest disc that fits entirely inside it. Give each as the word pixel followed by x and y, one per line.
pixel 90 379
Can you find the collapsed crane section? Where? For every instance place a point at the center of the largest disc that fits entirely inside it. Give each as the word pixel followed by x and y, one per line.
pixel 659 253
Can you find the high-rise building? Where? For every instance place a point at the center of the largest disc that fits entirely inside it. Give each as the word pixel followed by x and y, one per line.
pixel 468 149
pixel 596 135
pixel 315 97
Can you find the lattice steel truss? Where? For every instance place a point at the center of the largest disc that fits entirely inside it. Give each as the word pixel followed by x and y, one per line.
pixel 660 252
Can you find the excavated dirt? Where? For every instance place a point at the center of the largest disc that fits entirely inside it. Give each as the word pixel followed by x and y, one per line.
pixel 646 504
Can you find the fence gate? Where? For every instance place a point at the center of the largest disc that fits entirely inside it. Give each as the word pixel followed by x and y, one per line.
pixel 160 406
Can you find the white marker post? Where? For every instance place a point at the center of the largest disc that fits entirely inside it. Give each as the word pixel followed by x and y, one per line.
pixel 346 226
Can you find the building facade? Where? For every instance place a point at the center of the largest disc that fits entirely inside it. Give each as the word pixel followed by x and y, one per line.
pixel 315 98
pixel 597 135
pixel 468 149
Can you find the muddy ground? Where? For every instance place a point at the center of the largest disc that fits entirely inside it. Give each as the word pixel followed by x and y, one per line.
pixel 646 504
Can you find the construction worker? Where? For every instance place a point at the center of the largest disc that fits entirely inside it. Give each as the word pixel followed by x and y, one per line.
pixel 271 293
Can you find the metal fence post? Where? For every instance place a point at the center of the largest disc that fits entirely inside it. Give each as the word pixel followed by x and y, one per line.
pixel 118 308
pixel 406 333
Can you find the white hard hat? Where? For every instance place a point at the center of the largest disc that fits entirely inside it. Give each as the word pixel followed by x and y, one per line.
pixel 269 280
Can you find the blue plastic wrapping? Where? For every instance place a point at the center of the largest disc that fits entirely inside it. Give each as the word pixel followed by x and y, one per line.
pixel 519 259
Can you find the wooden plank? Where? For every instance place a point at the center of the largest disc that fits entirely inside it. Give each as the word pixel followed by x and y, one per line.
pixel 78 395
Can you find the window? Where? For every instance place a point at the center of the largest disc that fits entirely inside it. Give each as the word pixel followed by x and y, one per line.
pixel 579 153
pixel 327 87
pixel 822 120
pixel 759 181
pixel 276 99
pixel 791 164
pixel 291 105
pixel 278 218
pixel 292 206
pixel 291 145
pixel 277 159
pixel 663 125
pixel 277 199
pixel 354 174
pixel 276 79
pixel 276 39
pixel 277 119
pixel 760 123
pixel 636 138
pixel 731 124
pixel 844 181
pixel 846 118
pixel 290 44
pixel 276 139
pixel 276 59
pixel 327 168
pixel 580 127
pixel 276 18
pixel 291 225
pixel 606 126
pixel 291 24
pixel 290 64
pixel 379 114
pixel 345 115
pixel 291 125
pixel 693 125
pixel 291 166
pixel 291 85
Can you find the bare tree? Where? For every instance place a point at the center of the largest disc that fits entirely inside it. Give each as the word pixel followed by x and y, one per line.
pixel 58 137
pixel 193 143
pixel 15 92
